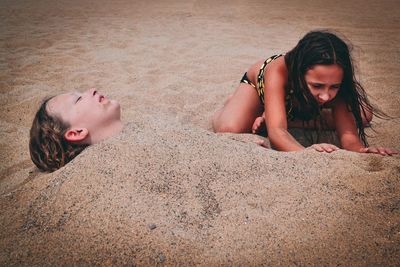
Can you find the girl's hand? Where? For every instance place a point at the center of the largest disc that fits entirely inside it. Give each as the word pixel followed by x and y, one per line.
pixel 262 143
pixel 325 147
pixel 258 124
pixel 379 150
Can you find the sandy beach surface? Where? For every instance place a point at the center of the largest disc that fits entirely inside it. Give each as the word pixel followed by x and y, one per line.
pixel 167 190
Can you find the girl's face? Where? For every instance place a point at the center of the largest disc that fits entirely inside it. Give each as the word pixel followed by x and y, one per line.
pixel 90 110
pixel 324 82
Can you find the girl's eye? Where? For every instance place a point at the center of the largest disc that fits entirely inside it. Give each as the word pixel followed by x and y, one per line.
pixel 317 86
pixel 79 98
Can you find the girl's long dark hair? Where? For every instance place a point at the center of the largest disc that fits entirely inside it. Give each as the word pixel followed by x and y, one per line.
pixel 326 48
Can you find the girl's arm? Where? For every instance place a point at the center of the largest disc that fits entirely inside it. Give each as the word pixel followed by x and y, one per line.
pixel 275 111
pixel 348 134
pixel 346 127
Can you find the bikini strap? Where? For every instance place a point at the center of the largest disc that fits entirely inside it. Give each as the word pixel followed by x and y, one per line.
pixel 260 77
pixel 245 79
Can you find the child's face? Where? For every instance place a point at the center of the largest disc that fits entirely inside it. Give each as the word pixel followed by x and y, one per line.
pixel 324 82
pixel 90 110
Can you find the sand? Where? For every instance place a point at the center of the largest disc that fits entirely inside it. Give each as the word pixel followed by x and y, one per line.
pixel 167 190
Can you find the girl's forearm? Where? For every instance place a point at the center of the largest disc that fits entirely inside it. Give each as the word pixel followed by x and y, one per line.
pixel 351 142
pixel 282 140
pixel 356 146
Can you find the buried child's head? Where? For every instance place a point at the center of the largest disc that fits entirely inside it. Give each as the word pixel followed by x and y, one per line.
pixel 67 123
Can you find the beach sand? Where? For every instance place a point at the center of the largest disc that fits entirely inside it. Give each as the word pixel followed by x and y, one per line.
pixel 167 190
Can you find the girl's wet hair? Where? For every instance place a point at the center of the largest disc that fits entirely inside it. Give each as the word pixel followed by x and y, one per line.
pixel 326 48
pixel 48 147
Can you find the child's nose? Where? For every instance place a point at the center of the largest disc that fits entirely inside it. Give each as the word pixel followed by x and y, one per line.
pixel 324 96
pixel 92 91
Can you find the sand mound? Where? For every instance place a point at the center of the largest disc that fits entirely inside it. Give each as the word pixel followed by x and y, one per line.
pixel 163 191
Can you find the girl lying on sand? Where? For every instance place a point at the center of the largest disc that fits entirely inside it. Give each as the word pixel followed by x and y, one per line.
pixel 66 124
pixel 311 86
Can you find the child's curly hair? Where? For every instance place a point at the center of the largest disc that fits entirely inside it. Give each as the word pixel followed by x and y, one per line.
pixel 48 147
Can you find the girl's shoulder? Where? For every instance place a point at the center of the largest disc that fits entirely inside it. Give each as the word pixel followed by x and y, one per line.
pixel 278 64
pixel 273 62
pixel 276 72
pixel 269 70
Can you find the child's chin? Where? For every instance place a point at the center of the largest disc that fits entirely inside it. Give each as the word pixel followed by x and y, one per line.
pixel 322 103
pixel 114 104
pixel 116 108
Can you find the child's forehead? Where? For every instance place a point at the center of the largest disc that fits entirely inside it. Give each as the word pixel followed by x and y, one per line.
pixel 59 102
pixel 325 70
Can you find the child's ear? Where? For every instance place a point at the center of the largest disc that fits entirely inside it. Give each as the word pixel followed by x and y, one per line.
pixel 76 135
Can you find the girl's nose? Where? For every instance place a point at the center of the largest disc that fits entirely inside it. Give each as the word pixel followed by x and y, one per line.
pixel 324 96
